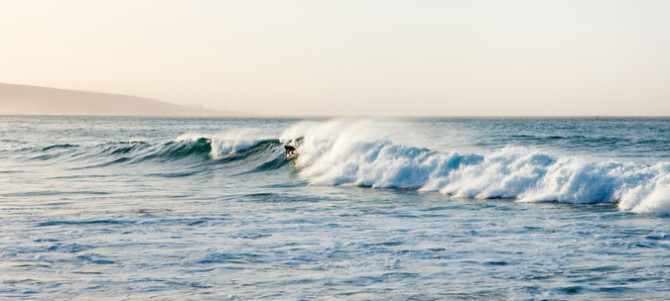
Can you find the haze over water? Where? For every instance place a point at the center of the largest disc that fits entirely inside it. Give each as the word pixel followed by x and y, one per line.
pixel 351 58
pixel 428 209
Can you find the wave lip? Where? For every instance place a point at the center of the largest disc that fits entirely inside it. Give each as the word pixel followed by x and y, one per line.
pixel 337 152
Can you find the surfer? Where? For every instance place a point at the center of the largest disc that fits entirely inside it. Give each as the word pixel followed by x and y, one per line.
pixel 290 149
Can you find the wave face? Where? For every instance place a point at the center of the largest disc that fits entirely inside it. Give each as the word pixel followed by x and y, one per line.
pixel 196 152
pixel 367 153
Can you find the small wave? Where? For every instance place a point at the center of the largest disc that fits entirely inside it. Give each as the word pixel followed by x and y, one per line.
pixel 173 174
pixel 45 157
pixel 38 153
pixel 69 248
pixel 90 222
pixel 232 258
pixel 173 150
pixel 52 193
pixel 104 164
pixel 58 146
pixel 125 147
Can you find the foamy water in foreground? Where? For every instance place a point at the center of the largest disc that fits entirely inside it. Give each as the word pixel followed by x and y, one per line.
pixel 493 209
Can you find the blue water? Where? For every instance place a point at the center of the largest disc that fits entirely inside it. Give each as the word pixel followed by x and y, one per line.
pixel 385 209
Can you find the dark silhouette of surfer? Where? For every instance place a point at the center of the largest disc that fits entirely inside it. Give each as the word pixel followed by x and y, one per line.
pixel 290 149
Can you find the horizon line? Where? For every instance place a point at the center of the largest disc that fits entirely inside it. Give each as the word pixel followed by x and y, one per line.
pixel 284 116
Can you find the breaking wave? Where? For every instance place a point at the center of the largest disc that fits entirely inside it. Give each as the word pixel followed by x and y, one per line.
pixel 352 152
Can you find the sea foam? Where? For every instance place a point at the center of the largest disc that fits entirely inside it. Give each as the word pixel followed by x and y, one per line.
pixel 367 153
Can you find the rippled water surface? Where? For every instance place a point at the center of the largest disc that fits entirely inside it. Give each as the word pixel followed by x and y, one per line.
pixel 429 209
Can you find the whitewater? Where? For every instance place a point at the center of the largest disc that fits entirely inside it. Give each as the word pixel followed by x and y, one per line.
pixel 370 208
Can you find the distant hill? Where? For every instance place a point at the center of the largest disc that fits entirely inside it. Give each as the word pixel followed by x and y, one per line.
pixel 32 100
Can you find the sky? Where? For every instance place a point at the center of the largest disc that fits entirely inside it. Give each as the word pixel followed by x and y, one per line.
pixel 344 57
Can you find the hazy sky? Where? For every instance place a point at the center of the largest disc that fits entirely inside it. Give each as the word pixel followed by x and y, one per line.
pixel 357 57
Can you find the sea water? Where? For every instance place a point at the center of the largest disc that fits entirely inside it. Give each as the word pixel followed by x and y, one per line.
pixel 370 209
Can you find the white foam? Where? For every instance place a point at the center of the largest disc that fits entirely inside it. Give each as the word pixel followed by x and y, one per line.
pixel 365 152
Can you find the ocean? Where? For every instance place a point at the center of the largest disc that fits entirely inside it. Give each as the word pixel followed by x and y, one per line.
pixel 111 208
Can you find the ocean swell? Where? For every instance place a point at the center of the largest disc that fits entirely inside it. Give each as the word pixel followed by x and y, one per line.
pixel 193 150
